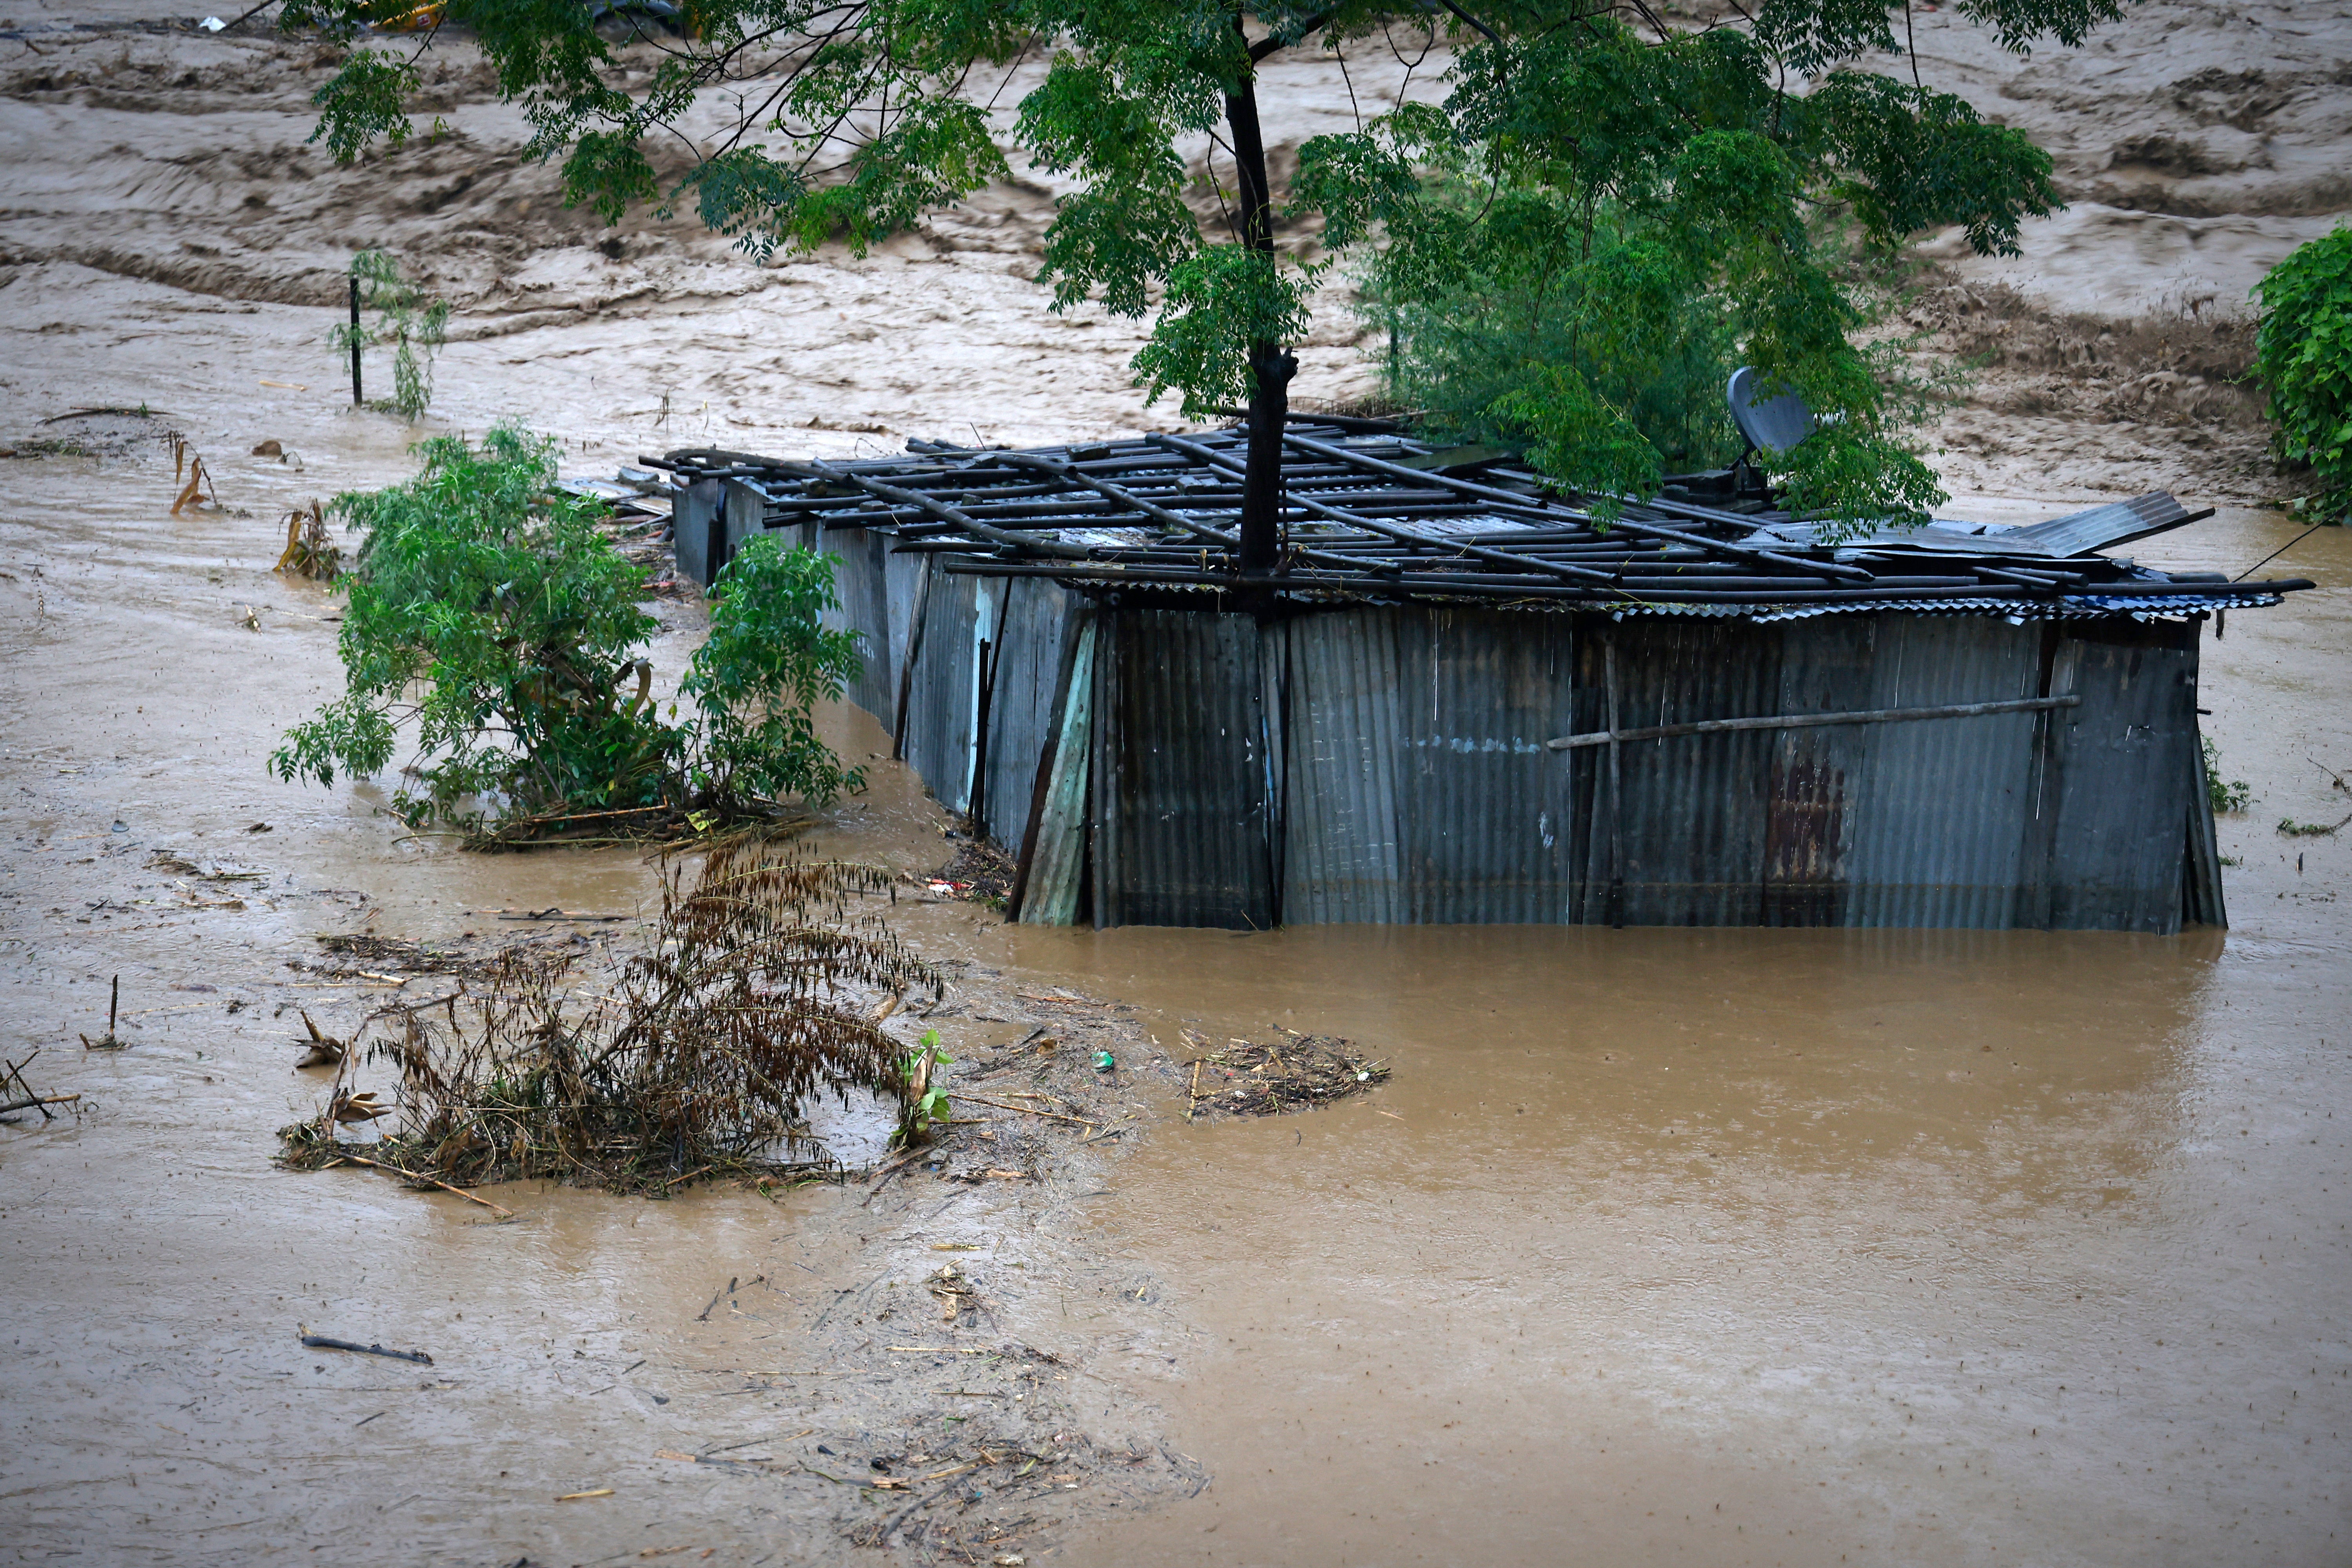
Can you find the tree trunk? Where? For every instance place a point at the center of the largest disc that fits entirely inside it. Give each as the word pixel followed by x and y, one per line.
pixel 1271 366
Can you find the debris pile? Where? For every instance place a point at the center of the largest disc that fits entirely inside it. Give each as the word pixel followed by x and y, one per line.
pixel 696 1061
pixel 980 873
pixel 1297 1072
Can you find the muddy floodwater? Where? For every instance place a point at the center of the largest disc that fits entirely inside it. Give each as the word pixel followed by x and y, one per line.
pixel 1657 1247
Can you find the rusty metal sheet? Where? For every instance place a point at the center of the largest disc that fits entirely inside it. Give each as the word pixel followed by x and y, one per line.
pixel 1825 668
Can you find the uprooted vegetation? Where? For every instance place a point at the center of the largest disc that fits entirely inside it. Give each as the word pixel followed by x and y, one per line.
pixel 699 1060
pixel 1297 1072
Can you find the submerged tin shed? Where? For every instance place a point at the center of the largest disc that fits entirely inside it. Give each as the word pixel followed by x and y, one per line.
pixel 1461 700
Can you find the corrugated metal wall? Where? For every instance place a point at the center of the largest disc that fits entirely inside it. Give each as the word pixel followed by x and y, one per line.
pixel 2126 763
pixel 861 578
pixel 1809 816
pixel 1179 772
pixel 1695 808
pixel 1025 666
pixel 1944 811
pixel 943 689
pixel 1483 808
pixel 1344 753
pixel 1386 764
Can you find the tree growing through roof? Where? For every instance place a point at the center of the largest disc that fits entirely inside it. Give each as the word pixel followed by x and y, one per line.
pixel 1640 161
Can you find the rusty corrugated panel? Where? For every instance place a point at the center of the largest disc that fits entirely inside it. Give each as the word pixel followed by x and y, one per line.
pixel 1825 668
pixel 1942 828
pixel 2124 761
pixel 1342 753
pixel 1024 662
pixel 1483 830
pixel 1695 808
pixel 1180 771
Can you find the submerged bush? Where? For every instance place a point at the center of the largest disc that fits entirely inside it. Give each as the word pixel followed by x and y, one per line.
pixel 490 616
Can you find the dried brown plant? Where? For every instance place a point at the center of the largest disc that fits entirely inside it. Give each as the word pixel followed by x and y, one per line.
pixel 698 1061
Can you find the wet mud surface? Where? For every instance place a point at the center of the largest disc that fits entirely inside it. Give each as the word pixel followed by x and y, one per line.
pixel 1658 1246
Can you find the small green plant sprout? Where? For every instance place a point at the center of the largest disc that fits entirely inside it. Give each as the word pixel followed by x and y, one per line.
pixel 926 1101
pixel 2294 829
pixel 414 327
pixel 2226 795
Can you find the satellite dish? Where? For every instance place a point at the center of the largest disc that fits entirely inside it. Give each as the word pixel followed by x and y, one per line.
pixel 1775 423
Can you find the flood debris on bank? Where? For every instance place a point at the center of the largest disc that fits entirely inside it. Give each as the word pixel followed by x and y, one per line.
pixel 699 1058
pixel 1297 1072
pixel 979 872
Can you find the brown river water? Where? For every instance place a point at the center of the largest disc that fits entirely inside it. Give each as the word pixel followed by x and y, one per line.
pixel 1659 1247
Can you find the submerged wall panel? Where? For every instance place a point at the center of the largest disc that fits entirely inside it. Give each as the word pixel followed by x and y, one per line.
pixel 861 578
pixel 1942 829
pixel 943 693
pixel 1694 806
pixel 1483 834
pixel 1343 755
pixel 1024 665
pixel 1179 772
pixel 1825 668
pixel 2126 762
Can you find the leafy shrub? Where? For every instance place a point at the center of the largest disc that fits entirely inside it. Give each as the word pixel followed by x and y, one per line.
pixel 491 614
pixel 2302 355
pixel 1483 353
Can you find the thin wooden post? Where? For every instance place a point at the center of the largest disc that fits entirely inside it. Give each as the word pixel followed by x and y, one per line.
pixel 355 340
pixel 1616 790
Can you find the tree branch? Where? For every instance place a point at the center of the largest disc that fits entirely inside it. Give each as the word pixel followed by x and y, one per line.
pixel 1492 36
pixel 1275 42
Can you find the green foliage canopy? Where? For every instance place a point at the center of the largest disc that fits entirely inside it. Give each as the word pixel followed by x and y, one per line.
pixel 1663 177
pixel 2302 355
pixel 490 614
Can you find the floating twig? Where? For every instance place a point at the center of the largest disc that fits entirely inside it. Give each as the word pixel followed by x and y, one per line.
pixel 326 1343
pixel 428 1180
